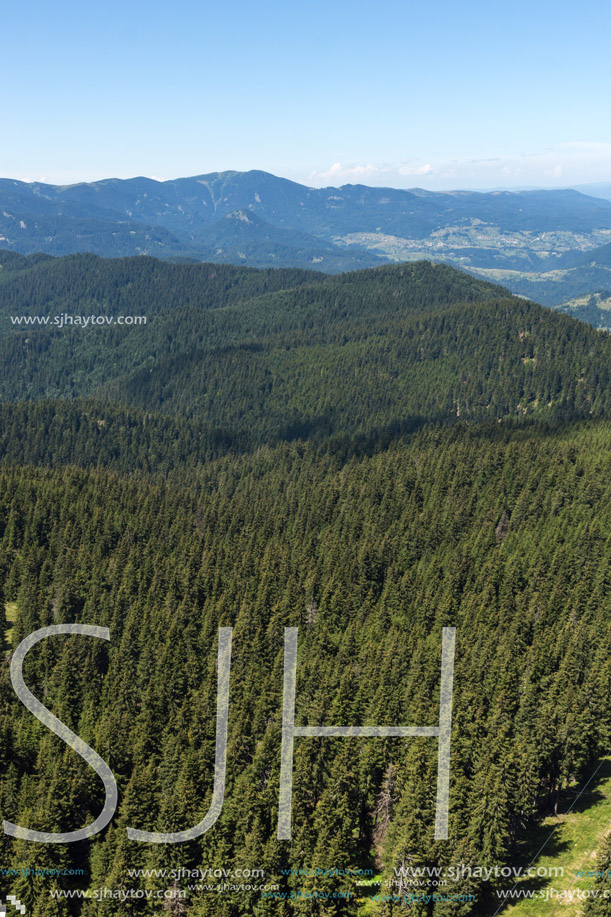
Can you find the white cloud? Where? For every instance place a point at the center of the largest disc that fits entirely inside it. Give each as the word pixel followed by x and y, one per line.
pixel 343 175
pixel 571 163
pixel 340 174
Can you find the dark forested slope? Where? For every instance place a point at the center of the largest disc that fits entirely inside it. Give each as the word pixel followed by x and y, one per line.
pixel 281 356
pixel 369 457
pixel 505 539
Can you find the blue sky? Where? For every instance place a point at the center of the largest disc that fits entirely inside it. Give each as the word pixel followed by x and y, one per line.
pixel 438 95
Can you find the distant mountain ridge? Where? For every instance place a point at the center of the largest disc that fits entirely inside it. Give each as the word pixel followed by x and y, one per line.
pixel 184 205
pixel 260 220
pixel 184 219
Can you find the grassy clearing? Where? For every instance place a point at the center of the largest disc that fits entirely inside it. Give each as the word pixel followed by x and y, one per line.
pixel 10 613
pixel 366 905
pixel 572 846
pixel 568 842
pixel 600 300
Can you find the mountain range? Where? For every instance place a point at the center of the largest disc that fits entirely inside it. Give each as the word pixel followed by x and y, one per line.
pixel 529 241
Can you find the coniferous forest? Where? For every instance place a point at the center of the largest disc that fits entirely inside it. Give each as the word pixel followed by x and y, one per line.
pixel 369 457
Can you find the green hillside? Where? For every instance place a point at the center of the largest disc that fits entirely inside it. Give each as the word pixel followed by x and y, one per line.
pixel 369 457
pixel 390 348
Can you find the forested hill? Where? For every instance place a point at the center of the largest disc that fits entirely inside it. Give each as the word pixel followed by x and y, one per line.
pixel 369 457
pixel 266 356
pixel 38 281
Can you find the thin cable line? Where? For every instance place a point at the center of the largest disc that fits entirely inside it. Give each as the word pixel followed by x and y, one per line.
pixel 546 842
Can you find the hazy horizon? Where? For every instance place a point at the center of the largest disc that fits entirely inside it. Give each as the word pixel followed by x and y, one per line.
pixel 604 187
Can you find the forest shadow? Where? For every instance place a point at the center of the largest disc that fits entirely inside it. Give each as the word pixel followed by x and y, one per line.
pixel 539 839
